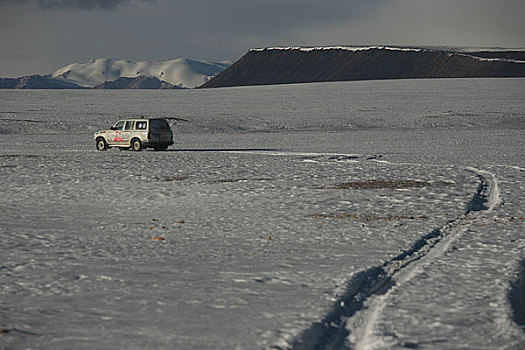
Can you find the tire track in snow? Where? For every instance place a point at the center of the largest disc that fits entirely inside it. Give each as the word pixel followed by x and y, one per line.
pixel 351 322
pixel 491 194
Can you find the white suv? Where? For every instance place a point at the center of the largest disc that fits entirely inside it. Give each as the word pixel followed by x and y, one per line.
pixel 137 134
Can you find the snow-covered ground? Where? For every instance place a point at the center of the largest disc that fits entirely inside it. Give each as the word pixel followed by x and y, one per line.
pixel 346 48
pixel 454 51
pixel 180 72
pixel 361 215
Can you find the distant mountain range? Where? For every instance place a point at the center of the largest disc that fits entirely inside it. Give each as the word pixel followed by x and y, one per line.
pixel 284 65
pixel 36 82
pixel 179 72
pixel 104 73
pixel 140 82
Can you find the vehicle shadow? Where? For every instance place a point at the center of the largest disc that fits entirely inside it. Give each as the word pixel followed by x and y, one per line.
pixel 222 150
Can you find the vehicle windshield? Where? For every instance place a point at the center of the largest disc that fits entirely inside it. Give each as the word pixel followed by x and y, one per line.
pixel 158 124
pixel 119 125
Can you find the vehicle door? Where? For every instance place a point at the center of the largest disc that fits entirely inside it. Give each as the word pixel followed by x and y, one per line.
pixel 127 133
pixel 115 134
pixel 160 130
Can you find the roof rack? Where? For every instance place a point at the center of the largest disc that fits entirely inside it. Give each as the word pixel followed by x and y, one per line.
pixel 175 118
pixel 159 117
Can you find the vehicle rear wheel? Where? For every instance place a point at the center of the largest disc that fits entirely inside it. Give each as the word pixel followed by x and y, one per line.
pixel 101 144
pixel 136 145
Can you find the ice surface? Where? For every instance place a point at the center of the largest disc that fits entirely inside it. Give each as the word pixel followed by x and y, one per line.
pixel 257 225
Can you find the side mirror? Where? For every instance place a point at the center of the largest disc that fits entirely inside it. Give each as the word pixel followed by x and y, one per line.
pixel 113 128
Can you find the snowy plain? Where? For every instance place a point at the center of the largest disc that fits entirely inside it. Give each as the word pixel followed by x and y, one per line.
pixel 353 215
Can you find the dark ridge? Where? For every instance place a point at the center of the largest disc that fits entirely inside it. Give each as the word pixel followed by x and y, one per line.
pixel 517 298
pixel 140 82
pixel 36 82
pixel 8 83
pixel 285 66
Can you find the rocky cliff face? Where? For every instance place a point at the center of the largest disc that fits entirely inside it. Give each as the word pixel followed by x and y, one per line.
pixel 303 65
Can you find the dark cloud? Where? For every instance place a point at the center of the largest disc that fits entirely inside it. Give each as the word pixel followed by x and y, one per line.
pixel 80 4
pixel 269 11
pixel 75 4
pixel 272 15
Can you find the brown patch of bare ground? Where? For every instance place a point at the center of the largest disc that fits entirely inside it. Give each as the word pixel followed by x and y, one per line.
pixel 380 184
pixel 171 178
pixel 239 180
pixel 367 217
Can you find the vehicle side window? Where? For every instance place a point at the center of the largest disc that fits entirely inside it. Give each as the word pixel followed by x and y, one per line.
pixel 129 125
pixel 141 125
pixel 119 125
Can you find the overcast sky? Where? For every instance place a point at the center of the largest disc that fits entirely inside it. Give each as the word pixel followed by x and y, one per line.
pixel 40 36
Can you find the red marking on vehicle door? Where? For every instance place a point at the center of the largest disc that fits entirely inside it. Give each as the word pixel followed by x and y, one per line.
pixel 117 137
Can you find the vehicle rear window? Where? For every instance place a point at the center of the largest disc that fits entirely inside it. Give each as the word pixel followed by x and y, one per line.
pixel 141 125
pixel 158 124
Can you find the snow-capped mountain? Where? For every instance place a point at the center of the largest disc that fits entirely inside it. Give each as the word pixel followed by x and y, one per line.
pixel 179 72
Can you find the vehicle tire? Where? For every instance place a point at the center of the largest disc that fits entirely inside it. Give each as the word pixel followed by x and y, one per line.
pixel 160 148
pixel 101 144
pixel 136 145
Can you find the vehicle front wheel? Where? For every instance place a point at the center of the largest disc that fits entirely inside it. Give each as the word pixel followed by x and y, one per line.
pixel 136 145
pixel 101 144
